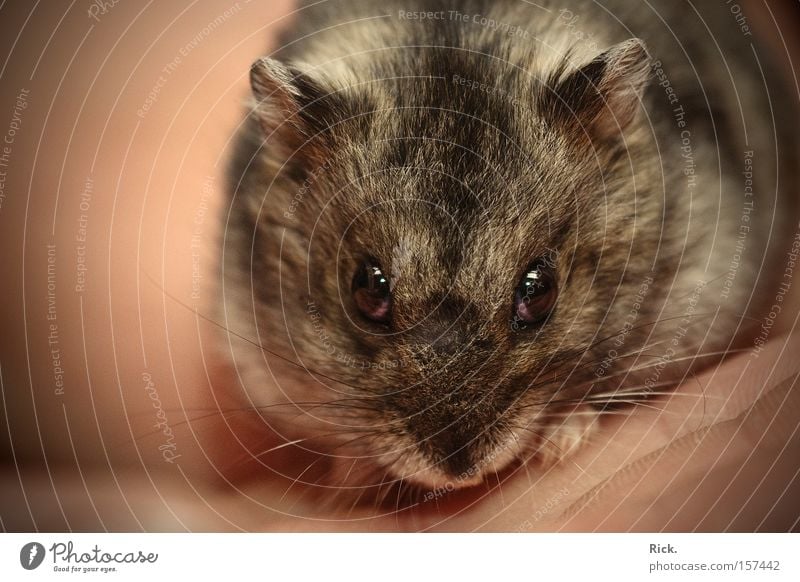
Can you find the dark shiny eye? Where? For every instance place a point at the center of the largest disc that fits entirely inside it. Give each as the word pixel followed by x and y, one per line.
pixel 371 292
pixel 535 295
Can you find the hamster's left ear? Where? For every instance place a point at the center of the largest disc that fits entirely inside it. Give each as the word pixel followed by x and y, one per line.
pixel 294 107
pixel 602 97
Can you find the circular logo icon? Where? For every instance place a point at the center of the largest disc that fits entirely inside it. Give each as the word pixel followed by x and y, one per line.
pixel 31 555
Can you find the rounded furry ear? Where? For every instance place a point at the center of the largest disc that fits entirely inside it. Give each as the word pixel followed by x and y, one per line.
pixel 602 97
pixel 291 106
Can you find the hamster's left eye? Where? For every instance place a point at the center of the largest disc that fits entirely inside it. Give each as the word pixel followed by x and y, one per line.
pixel 535 295
pixel 371 292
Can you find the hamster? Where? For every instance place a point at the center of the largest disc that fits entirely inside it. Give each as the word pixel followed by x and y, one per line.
pixel 459 232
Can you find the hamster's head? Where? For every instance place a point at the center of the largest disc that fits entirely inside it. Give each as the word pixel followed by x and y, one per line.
pixel 433 249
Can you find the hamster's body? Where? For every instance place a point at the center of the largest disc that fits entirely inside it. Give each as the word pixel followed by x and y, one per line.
pixel 455 144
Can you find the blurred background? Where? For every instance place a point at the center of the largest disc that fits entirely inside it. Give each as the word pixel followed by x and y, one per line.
pixel 117 117
pixel 115 122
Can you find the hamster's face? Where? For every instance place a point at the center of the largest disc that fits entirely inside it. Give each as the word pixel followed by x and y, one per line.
pixel 439 265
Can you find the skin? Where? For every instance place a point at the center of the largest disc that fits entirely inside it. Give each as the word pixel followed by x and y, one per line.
pixel 90 458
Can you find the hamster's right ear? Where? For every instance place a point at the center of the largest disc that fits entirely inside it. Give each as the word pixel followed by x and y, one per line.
pixel 601 98
pixel 293 106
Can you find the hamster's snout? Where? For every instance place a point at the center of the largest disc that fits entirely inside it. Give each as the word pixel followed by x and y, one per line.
pixel 456 446
pixel 456 432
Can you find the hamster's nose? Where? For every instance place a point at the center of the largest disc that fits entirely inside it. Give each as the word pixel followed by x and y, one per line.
pixel 453 451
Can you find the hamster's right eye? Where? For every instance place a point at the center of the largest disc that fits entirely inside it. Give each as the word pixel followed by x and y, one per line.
pixel 371 292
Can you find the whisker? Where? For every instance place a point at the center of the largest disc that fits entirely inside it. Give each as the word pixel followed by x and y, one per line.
pixel 299 477
pixel 281 446
pixel 244 338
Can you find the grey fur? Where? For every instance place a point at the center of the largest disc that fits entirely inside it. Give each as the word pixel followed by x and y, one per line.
pixel 362 144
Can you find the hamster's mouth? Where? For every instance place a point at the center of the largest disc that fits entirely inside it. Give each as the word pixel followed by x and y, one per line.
pixel 442 476
pixel 410 487
pixel 432 494
pixel 418 485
